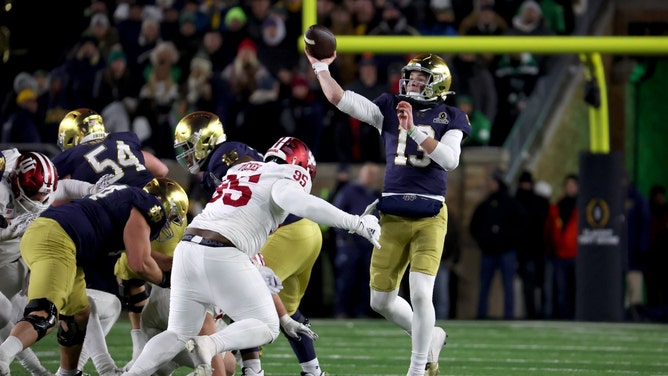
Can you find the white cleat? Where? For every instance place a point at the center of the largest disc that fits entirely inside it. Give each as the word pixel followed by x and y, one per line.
pixel 245 371
pixel 4 369
pixel 438 338
pixel 201 349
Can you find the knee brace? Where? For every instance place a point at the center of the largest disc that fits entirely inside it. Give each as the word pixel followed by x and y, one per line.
pixel 39 323
pixel 130 301
pixel 69 332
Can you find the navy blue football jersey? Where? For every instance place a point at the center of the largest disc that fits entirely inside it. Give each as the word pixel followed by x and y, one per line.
pixel 119 154
pixel 221 159
pixel 96 223
pixel 408 168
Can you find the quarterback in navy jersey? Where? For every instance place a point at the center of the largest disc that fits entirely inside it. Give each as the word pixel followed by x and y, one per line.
pixel 201 147
pixel 422 138
pixel 58 246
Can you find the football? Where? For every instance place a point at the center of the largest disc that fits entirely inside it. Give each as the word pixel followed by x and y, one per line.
pixel 320 42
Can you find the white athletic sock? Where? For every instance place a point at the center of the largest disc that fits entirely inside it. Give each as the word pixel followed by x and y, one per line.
pixel 138 342
pixel 10 348
pixel 254 364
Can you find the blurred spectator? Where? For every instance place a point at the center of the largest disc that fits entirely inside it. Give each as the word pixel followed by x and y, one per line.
pixel 507 9
pixel 561 231
pixel 559 15
pixel 515 78
pixel 497 225
pixel 82 68
pixel 128 20
pixel 212 48
pixel 324 10
pixel 258 11
pixel 22 126
pixel 203 89
pixel 23 80
pixel 138 47
pixel 53 106
pixel 277 52
pixel 349 133
pixel 481 127
pixel 392 22
pixel 42 81
pixel 366 16
pixel 531 250
pixel 638 229
pixel 484 22
pixel 156 98
pixel 440 19
pixel 213 12
pixel 302 114
pixel 236 30
pixel 169 18
pixel 188 40
pixel 117 92
pixel 345 65
pixel 353 253
pixel 529 21
pixel 254 107
pixel 656 278
pixel 477 82
pixel 445 286
pixel 106 34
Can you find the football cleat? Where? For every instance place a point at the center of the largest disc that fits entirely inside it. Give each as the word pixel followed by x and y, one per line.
pixel 4 369
pixel 438 338
pixel 201 349
pixel 322 373
pixel 246 371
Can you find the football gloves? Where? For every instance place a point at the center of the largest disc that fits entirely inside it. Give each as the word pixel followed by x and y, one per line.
pixel 368 228
pixel 273 282
pixel 294 328
pixel 105 181
pixel 17 226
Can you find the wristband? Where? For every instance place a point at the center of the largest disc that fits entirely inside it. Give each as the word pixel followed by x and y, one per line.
pixel 166 280
pixel 417 136
pixel 410 132
pixel 320 67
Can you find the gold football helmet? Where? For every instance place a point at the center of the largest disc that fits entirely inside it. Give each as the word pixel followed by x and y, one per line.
pixel 175 201
pixel 438 79
pixel 80 126
pixel 195 137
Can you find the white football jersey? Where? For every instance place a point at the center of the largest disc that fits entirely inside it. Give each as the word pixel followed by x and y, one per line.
pixel 242 208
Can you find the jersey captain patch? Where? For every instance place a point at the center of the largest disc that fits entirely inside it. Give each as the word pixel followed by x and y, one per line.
pixel 442 118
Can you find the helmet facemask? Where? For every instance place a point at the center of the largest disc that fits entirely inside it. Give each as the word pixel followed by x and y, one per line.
pixel 33 175
pixel 195 137
pixel 436 87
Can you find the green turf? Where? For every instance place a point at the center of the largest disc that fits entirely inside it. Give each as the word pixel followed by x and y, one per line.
pixel 475 348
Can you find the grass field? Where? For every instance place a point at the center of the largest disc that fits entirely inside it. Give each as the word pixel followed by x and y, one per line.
pixel 475 348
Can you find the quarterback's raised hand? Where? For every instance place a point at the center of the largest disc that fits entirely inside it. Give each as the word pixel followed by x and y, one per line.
pixel 369 228
pixel 294 328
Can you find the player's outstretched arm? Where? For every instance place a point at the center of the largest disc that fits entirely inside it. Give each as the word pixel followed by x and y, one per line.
pixel 155 165
pixel 288 195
